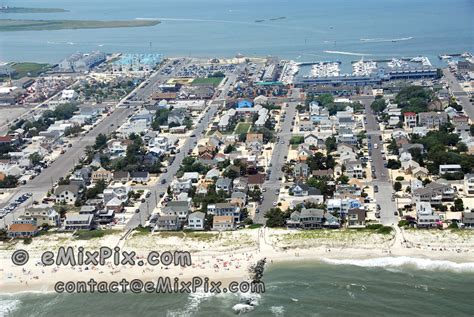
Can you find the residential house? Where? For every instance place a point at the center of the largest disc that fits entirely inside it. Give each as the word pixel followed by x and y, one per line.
pixel 409 119
pixel 356 218
pixel 425 216
pixel 223 223
pixel 179 186
pixel 312 139
pixel 354 169
pixel 120 192
pixel 176 117
pixel 179 208
pixel 225 209
pixel 256 181
pixel 348 138
pixel 42 215
pixel 306 125
pixel 68 194
pixel 167 223
pixel 121 176
pixel 224 184
pixel 196 221
pixel 22 229
pixel 240 184
pixel 114 204
pixel 192 176
pixel 140 177
pixel 469 185
pixel 421 172
pixel 300 190
pixel 342 206
pixel 212 174
pixel 434 193
pixel 101 175
pixel 88 210
pixel 238 199
pixel 346 152
pixel 449 168
pixel 311 218
pixel 329 173
pixel 78 222
pixel 468 220
pixel 301 171
pixel 432 120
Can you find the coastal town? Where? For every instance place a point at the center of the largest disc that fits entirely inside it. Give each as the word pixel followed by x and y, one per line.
pixel 141 145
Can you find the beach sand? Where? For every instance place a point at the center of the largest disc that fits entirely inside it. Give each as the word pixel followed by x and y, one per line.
pixel 227 256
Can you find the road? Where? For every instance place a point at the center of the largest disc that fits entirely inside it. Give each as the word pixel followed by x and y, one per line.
pixel 384 195
pixel 456 89
pixel 277 161
pixel 147 207
pixel 40 185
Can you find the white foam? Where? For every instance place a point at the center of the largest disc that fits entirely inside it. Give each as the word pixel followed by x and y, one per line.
pixel 7 306
pixel 277 310
pixel 376 40
pixel 347 53
pixel 422 264
pixel 242 308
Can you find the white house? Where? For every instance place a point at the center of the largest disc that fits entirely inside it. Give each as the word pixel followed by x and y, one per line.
pixel 196 221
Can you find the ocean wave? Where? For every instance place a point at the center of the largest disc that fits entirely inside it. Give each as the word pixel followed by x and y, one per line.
pixel 376 40
pixel 7 306
pixel 347 53
pixel 195 299
pixel 421 264
pixel 242 308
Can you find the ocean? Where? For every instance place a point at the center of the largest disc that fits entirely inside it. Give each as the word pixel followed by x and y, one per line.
pixel 376 287
pixel 303 30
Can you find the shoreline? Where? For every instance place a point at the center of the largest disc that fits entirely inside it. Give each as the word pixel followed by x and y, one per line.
pixel 227 265
pixel 16 25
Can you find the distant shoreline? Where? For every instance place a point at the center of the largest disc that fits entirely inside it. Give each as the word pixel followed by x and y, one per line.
pixel 31 10
pixel 11 25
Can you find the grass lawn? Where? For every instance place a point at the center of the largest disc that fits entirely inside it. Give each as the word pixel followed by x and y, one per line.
pixel 215 81
pixel 242 127
pixel 297 139
pixel 92 234
pixel 28 69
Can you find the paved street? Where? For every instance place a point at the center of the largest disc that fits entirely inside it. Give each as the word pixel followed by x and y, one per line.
pixel 384 195
pixel 456 89
pixel 277 160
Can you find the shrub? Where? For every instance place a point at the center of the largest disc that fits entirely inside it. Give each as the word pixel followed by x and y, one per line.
pixel 400 178
pixel 403 223
pixel 374 226
pixel 385 230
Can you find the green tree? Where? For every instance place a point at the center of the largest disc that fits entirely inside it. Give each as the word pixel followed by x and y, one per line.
pixel 100 141
pixel 276 218
pixel 331 144
pixel 378 105
pixel 35 158
pixel 397 186
pixel 458 204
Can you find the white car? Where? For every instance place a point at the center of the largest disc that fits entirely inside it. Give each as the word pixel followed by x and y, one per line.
pixel 275 203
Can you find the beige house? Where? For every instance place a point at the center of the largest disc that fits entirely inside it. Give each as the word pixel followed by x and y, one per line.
pixel 101 174
pixel 223 223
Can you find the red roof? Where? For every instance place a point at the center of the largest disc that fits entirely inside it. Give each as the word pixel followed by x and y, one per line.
pixel 6 138
pixel 409 114
pixel 22 227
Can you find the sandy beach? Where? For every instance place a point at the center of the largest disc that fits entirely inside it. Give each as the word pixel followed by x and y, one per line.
pixel 227 256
